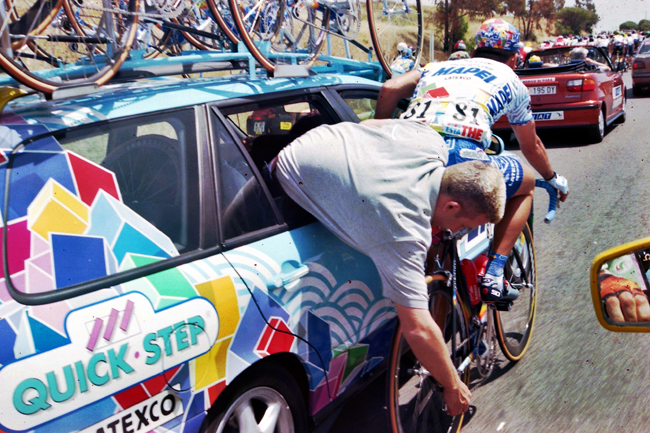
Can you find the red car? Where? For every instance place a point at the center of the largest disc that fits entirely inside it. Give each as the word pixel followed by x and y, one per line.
pixel 565 92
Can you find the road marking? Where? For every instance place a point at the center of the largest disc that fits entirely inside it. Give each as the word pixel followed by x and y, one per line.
pixel 501 426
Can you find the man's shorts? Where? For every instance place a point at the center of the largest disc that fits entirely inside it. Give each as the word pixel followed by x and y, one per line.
pixel 461 150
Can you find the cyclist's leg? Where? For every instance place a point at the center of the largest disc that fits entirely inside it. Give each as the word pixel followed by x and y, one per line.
pixel 518 205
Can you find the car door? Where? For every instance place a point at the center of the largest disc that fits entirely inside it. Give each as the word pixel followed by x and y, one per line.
pixel 301 289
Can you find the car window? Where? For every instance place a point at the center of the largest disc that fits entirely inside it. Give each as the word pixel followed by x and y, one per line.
pixel 155 166
pixel 597 56
pixel 363 103
pixel 107 198
pixel 243 205
pixel 645 48
pixel 264 128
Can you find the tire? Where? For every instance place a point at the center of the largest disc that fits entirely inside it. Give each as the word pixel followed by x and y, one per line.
pixel 278 32
pixel 596 133
pixel 636 90
pixel 254 401
pixel 391 25
pixel 515 327
pixel 76 49
pixel 413 409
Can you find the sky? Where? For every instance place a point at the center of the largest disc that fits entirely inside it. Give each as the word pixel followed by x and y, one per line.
pixel 612 13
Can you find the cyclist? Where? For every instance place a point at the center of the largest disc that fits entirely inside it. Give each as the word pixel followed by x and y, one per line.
pixel 404 60
pixel 380 189
pixel 461 100
pixel 460 51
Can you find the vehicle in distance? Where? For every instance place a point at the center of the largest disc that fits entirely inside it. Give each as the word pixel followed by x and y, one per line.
pixel 571 94
pixel 641 69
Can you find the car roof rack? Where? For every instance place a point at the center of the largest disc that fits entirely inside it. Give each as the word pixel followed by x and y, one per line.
pixel 200 62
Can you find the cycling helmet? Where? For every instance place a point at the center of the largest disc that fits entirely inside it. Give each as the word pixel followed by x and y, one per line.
pixel 499 34
pixel 460 46
pixel 459 55
pixel 402 47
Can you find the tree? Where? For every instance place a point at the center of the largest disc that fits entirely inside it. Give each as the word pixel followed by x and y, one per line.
pixel 628 25
pixel 576 20
pixel 452 16
pixel 529 14
pixel 644 25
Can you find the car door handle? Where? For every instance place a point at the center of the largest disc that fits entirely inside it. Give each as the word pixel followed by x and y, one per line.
pixel 289 280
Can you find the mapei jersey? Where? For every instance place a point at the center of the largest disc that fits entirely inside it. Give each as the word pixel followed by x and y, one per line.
pixel 463 98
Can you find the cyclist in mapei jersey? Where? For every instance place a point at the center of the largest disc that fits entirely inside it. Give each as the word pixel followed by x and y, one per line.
pixel 462 100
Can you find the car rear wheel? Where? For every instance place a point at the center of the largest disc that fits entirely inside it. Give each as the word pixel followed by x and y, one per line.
pixel 271 402
pixel 597 132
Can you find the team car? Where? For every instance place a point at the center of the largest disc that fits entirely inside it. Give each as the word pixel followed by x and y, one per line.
pixel 586 93
pixel 153 278
pixel 641 69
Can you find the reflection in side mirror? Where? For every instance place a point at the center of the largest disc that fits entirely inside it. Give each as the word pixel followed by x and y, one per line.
pixel 620 288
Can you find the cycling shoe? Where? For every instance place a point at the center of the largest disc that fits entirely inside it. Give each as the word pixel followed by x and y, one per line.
pixel 493 290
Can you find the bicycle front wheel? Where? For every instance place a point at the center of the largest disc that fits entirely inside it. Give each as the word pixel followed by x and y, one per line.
pixel 415 404
pixel 514 327
pixel 280 32
pixel 392 22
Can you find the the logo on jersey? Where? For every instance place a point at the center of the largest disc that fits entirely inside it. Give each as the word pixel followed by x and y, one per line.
pixel 438 92
pixel 499 100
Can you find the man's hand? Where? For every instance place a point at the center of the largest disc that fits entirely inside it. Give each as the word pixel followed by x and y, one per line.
pixel 560 184
pixel 427 343
pixel 624 300
pixel 457 399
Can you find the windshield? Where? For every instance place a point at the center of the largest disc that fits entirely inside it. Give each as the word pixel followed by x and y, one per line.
pixel 645 48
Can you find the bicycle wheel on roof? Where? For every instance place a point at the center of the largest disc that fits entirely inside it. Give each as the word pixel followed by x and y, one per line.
pixel 278 32
pixel 392 22
pixel 89 48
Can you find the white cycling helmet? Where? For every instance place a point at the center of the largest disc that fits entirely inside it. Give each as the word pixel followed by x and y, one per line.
pixel 402 47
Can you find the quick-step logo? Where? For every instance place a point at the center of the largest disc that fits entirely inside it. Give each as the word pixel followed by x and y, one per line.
pixel 114 345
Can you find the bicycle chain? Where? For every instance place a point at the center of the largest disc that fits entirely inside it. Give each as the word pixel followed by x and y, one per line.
pixel 162 9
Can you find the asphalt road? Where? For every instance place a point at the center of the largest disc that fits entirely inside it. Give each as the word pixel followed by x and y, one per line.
pixel 576 376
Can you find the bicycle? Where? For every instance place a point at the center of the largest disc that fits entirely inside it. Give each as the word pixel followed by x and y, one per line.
pixel 48 44
pixel 44 56
pixel 470 327
pixel 293 31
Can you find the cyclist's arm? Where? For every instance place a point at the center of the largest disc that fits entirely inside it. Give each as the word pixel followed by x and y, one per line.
pixel 533 148
pixel 393 90
pixel 427 342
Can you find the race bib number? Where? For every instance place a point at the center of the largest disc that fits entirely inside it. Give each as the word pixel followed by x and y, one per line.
pixel 460 119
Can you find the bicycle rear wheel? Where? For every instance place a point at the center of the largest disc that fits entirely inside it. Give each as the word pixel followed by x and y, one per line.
pixel 392 22
pixel 87 48
pixel 415 404
pixel 278 32
pixel 514 327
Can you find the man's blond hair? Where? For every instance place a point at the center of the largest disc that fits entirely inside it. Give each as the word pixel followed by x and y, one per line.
pixel 478 187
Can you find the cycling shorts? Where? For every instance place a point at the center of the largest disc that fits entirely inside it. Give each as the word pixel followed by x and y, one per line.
pixel 461 150
pixel 618 49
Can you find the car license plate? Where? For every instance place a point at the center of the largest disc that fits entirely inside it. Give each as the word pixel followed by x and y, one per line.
pixel 542 90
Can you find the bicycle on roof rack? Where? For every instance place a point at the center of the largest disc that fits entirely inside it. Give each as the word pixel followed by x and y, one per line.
pixel 48 44
pixel 280 32
pixel 470 327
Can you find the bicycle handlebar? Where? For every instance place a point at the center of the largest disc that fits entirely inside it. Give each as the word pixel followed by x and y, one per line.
pixel 552 199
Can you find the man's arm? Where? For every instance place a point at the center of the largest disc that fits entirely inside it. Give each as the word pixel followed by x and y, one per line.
pixel 534 151
pixel 428 344
pixel 400 87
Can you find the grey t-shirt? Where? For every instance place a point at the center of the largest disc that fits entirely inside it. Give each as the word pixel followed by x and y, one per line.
pixel 376 189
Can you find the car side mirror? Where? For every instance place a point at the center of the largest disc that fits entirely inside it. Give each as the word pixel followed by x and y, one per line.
pixel 620 289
